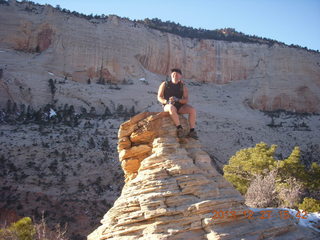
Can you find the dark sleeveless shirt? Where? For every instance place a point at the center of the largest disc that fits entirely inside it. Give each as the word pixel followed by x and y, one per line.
pixel 173 90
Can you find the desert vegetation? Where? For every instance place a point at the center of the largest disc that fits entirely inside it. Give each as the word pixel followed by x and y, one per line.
pixel 268 182
pixel 26 229
pixel 50 159
pixel 52 114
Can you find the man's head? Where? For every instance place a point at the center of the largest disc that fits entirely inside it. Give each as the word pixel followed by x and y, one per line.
pixel 176 74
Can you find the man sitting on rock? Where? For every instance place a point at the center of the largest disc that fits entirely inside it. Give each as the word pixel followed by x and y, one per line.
pixel 174 98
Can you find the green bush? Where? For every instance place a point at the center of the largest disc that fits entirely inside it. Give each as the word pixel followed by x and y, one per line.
pixel 313 177
pixel 25 229
pixel 250 163
pixel 20 230
pixel 310 205
pixel 292 167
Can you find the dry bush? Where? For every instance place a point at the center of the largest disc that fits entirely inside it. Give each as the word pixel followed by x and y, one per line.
pixel 261 192
pixel 290 192
pixel 44 233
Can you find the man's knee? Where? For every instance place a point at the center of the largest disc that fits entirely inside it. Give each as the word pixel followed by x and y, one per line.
pixel 171 109
pixel 189 110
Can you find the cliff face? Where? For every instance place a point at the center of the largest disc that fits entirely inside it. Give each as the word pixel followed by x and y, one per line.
pixel 117 49
pixel 172 191
pixel 38 43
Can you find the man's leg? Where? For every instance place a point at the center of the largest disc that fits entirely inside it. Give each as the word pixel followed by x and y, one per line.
pixel 187 109
pixel 173 113
pixel 175 117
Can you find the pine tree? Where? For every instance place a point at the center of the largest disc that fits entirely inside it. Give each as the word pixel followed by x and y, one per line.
pixel 132 111
pixel 292 167
pixel 313 182
pixel 248 163
pixel 292 179
pixel 107 112
pixel 9 106
pixel 92 143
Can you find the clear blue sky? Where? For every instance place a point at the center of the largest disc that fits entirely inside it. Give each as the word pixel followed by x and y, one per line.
pixel 288 21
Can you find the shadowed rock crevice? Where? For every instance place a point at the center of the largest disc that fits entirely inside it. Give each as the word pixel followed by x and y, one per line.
pixel 172 189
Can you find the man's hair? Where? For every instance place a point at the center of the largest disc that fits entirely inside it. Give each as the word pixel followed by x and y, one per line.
pixel 176 70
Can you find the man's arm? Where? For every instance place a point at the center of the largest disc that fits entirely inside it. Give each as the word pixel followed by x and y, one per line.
pixel 160 94
pixel 184 99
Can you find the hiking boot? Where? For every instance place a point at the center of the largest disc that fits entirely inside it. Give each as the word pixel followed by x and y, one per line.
pixel 180 133
pixel 193 135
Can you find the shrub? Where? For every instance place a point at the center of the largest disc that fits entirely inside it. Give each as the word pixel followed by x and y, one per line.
pixel 20 230
pixel 248 163
pixel 292 167
pixel 290 192
pixel 91 143
pixel 250 169
pixel 313 182
pixel 261 192
pixel 105 145
pixel 107 112
pixel 52 86
pixel 24 229
pixel 310 205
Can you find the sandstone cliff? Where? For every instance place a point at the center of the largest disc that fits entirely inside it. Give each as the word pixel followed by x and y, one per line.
pixel 172 190
pixel 35 40
pixel 225 80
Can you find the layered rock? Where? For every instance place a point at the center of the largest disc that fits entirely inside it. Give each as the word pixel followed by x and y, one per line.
pixel 172 191
pixel 115 49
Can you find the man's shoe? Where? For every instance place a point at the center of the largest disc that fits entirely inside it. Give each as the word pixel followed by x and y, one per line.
pixel 180 133
pixel 193 135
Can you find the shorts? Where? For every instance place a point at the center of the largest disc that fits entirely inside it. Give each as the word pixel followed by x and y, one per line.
pixel 177 105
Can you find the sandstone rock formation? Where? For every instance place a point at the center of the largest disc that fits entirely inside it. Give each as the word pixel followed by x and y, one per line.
pixel 115 49
pixel 172 191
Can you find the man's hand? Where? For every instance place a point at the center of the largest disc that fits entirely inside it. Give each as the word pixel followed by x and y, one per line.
pixel 173 100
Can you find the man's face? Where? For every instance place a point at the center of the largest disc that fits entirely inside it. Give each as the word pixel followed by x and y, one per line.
pixel 176 76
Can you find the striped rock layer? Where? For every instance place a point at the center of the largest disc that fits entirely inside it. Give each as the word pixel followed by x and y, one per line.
pixel 173 191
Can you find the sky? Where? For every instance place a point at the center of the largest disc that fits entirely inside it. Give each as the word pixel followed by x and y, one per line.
pixel 289 21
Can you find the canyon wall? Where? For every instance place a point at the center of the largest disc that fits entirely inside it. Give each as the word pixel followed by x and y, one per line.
pixel 115 49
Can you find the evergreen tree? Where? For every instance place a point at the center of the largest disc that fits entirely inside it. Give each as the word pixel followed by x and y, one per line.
pixel 14 108
pixel 292 167
pixel 313 176
pixel 248 163
pixel 132 111
pixel 83 111
pixel 9 105
pixel 292 178
pixel 93 112
pixel 29 112
pixel 52 86
pixel 105 145
pixel 92 143
pixel 120 109
pixel 22 109
pixel 107 112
